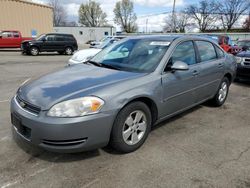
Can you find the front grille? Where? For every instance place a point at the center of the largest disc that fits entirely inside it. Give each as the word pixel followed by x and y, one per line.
pixel 65 142
pixel 27 106
pixel 247 60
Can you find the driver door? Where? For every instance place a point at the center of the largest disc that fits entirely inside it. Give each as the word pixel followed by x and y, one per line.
pixel 180 86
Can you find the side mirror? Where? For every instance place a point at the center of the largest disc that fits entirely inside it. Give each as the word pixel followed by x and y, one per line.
pixel 124 50
pixel 179 65
pixel 44 39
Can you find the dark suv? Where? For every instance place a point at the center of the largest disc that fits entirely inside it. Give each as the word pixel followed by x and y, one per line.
pixel 52 42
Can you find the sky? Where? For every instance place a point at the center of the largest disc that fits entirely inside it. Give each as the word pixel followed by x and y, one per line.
pixel 150 11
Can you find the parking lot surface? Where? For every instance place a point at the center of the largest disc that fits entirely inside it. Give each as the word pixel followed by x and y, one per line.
pixel 204 147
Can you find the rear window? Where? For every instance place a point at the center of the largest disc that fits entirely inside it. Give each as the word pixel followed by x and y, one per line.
pixel 69 38
pixel 16 35
pixel 206 51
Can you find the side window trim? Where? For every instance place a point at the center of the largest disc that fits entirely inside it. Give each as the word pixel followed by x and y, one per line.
pixel 217 53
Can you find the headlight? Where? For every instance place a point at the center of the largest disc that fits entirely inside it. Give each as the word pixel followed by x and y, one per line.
pixel 77 107
pixel 239 60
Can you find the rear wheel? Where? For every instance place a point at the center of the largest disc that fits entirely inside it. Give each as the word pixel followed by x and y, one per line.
pixel 131 127
pixel 68 51
pixel 34 51
pixel 222 93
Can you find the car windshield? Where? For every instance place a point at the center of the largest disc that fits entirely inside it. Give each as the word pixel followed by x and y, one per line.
pixel 134 55
pixel 104 39
pixel 40 37
pixel 105 44
pixel 244 44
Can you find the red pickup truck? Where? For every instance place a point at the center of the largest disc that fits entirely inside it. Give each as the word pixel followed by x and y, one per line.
pixel 11 39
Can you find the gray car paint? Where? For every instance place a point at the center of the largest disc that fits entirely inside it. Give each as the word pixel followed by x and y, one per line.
pixel 171 92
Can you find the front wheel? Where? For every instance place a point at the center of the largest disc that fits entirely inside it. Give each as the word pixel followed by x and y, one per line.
pixel 222 93
pixel 131 127
pixel 34 51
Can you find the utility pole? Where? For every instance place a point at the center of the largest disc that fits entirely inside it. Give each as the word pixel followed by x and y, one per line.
pixel 173 18
pixel 147 25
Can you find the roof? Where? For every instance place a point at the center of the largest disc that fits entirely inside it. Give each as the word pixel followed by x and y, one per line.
pixel 157 37
pixel 32 3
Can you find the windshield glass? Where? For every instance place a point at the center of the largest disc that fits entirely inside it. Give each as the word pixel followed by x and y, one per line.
pixel 135 55
pixel 244 44
pixel 40 37
pixel 105 44
pixel 104 39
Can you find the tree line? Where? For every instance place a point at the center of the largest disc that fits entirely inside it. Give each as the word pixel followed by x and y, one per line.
pixel 210 14
pixel 91 15
pixel 206 15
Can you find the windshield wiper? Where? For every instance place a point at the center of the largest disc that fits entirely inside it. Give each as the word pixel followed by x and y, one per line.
pixel 93 63
pixel 102 65
pixel 110 66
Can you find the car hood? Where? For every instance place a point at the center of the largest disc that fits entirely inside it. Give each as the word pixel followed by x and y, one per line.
pixel 72 82
pixel 244 54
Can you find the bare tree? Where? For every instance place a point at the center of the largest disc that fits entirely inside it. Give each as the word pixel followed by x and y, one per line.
pixel 91 15
pixel 59 13
pixel 231 10
pixel 246 24
pixel 125 16
pixel 203 13
pixel 181 22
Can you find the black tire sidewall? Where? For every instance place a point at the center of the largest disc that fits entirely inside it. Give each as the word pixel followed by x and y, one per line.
pixel 116 139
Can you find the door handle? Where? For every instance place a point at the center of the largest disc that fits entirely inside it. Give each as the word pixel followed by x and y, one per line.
pixel 195 73
pixel 220 65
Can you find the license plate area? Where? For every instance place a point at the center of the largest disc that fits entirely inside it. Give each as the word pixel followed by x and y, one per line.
pixel 23 130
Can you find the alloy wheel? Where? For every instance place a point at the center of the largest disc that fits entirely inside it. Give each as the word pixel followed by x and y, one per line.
pixel 134 127
pixel 223 92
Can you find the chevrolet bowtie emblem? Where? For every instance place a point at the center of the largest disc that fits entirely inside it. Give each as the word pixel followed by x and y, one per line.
pixel 22 104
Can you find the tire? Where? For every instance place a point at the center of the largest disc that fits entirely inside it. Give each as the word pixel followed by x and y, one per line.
pixel 222 93
pixel 68 51
pixel 34 51
pixel 128 134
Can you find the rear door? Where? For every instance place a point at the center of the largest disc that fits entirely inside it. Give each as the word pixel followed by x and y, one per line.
pixel 49 44
pixel 211 64
pixel 179 87
pixel 60 42
pixel 17 40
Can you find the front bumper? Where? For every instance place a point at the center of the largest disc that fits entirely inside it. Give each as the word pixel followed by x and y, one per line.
pixel 243 71
pixel 66 135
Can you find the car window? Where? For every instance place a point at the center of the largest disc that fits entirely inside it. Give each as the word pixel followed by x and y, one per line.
pixel 220 53
pixel 68 38
pixel 16 34
pixel 7 34
pixel 50 37
pixel 184 52
pixel 60 38
pixel 206 50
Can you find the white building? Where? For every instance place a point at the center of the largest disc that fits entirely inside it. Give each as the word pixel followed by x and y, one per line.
pixel 85 34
